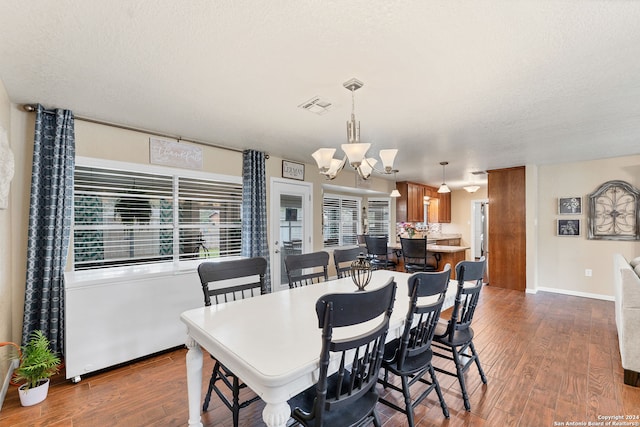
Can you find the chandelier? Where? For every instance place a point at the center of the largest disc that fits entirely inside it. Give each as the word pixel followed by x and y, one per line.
pixel 355 151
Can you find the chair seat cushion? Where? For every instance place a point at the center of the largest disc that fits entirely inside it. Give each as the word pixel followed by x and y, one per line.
pixel 411 267
pixel 378 263
pixel 349 415
pixel 460 337
pixel 382 261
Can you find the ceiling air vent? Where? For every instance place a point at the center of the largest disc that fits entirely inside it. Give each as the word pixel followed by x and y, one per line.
pixel 316 105
pixel 479 173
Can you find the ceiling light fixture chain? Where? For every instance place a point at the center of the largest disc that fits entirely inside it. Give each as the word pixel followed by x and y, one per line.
pixel 355 151
pixel 395 192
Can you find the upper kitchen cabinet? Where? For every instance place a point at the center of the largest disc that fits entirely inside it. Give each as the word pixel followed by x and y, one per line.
pixel 409 207
pixel 444 207
pixel 410 204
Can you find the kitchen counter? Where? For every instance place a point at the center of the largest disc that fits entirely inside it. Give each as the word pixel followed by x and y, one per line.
pixel 446 249
pixel 431 237
pixel 441 236
pixel 446 254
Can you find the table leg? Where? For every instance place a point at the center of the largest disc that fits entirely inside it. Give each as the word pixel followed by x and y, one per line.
pixel 194 381
pixel 276 414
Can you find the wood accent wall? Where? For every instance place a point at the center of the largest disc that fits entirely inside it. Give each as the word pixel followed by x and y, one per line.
pixel 507 228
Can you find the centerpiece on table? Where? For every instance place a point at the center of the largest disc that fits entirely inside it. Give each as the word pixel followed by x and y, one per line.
pixel 361 272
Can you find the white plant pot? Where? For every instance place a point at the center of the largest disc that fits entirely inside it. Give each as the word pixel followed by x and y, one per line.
pixel 32 396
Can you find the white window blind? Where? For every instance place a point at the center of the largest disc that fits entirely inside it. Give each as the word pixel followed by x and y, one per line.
pixel 378 216
pixel 209 218
pixel 127 217
pixel 341 216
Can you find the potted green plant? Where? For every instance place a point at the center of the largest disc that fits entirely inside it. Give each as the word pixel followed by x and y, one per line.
pixel 37 364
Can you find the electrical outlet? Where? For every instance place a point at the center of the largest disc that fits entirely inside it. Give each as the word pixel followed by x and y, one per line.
pixel 588 272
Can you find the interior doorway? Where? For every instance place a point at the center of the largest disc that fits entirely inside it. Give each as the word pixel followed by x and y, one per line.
pixel 480 232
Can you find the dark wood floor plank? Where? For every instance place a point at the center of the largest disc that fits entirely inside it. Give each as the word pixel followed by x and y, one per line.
pixel 548 358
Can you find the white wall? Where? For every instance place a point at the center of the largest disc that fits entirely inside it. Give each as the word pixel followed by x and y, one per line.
pixel 5 250
pixel 22 129
pixel 562 260
pixel 461 215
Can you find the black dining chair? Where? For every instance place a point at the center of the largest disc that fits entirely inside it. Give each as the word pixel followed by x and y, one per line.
pixel 343 258
pixel 296 265
pixel 409 357
pixel 379 252
pixel 455 337
pixel 348 397
pixel 416 256
pixel 249 274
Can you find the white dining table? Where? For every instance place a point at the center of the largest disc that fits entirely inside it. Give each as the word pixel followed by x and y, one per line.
pixel 272 342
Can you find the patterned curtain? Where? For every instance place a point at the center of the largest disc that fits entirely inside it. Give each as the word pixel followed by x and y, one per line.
pixel 254 209
pixel 49 224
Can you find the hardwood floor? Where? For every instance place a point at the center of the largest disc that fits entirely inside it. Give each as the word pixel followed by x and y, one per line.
pixel 548 358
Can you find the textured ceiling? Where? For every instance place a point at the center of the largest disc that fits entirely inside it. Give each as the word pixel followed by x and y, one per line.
pixel 481 84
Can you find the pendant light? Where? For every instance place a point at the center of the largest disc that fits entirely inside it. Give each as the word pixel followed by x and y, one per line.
pixel 443 188
pixel 471 188
pixel 395 192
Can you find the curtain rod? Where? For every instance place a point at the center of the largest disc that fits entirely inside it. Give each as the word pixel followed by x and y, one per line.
pixel 30 108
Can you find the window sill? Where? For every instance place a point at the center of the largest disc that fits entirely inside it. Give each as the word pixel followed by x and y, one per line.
pixel 83 278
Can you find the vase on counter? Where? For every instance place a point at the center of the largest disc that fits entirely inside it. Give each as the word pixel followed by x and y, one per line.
pixel 411 232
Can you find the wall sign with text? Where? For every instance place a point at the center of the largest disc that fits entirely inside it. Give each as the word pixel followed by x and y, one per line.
pixel 292 170
pixel 176 154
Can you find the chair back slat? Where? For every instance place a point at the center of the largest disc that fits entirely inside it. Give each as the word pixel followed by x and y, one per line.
pixel 416 255
pixel 343 258
pixel 247 268
pixel 296 264
pixel 414 248
pixel 378 250
pixel 422 317
pixel 467 295
pixel 361 355
pixel 376 245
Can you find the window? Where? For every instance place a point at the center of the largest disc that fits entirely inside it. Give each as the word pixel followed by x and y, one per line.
pixel 341 216
pixel 378 216
pixel 127 217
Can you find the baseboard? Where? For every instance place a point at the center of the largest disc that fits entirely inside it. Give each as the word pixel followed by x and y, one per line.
pixel 572 293
pixel 632 378
pixel 7 380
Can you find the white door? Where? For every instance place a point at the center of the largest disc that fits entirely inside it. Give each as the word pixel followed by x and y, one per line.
pixel 291 216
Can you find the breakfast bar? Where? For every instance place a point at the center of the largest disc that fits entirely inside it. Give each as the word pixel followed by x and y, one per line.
pixel 445 254
pixel 448 254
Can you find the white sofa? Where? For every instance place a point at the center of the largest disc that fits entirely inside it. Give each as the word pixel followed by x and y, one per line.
pixel 627 293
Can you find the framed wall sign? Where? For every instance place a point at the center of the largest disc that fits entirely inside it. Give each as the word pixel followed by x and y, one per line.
pixel 292 170
pixel 568 227
pixel 176 154
pixel 570 205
